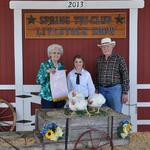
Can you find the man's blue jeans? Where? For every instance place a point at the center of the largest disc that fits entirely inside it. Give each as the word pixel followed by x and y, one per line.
pixel 113 96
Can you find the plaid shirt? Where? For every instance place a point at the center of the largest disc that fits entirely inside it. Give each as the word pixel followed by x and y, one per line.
pixel 112 71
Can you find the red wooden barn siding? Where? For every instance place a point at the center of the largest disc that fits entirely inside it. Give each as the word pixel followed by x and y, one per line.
pixel 6 50
pixel 143 63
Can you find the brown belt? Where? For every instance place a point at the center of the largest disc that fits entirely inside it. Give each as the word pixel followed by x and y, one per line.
pixel 111 85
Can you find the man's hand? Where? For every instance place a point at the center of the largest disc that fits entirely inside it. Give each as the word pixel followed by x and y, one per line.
pixel 124 98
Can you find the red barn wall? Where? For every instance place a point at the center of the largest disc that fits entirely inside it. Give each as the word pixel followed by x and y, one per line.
pixel 6 50
pixel 143 63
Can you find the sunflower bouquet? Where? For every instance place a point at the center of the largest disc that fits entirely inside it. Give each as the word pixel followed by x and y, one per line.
pixel 124 129
pixel 51 131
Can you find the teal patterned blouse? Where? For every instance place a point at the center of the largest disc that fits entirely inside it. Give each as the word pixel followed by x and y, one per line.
pixel 43 78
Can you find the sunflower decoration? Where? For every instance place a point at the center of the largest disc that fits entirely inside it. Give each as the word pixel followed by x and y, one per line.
pixel 51 131
pixel 124 129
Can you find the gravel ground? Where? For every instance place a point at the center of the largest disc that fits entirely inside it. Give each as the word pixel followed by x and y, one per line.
pixel 138 141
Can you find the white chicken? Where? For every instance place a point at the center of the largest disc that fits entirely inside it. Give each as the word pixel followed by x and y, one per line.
pixel 96 101
pixel 77 101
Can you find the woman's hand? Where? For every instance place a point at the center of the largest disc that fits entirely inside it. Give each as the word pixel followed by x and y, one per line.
pixel 51 70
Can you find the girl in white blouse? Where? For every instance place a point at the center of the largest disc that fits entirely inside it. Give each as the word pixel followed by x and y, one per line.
pixel 79 79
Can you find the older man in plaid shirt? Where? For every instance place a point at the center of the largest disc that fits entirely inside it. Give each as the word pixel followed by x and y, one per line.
pixel 112 76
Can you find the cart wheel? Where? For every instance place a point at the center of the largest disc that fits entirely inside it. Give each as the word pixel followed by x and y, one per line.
pixel 7 116
pixel 93 139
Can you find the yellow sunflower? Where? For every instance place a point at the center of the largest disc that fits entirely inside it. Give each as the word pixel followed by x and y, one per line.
pixel 49 134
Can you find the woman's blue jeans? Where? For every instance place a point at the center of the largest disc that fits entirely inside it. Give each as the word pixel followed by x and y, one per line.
pixel 113 96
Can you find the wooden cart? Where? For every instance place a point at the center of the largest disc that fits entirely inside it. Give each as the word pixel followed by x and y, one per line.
pixel 83 132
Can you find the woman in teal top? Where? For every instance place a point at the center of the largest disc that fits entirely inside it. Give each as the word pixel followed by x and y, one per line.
pixel 55 51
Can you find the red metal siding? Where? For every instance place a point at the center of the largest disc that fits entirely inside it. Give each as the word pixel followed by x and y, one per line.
pixel 144 44
pixel 143 113
pixel 8 95
pixel 34 107
pixel 143 63
pixel 143 128
pixel 144 95
pixel 6 44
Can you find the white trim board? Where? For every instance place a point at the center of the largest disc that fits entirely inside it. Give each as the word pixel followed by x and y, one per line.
pixel 143 122
pixel 133 16
pixel 143 104
pixel 7 87
pixel 143 86
pixel 101 4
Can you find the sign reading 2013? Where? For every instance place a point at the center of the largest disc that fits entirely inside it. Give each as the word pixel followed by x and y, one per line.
pixel 75 4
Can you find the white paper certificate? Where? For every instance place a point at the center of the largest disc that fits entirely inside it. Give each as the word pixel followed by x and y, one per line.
pixel 58 83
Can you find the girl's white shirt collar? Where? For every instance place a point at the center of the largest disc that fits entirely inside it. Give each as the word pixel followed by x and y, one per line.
pixel 78 72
